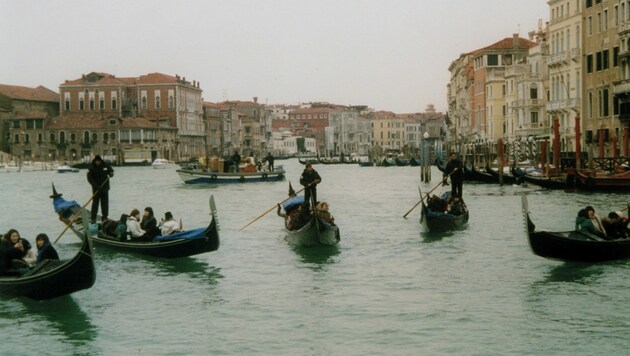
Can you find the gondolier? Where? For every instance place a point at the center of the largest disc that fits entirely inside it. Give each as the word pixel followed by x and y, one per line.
pixel 309 179
pixel 98 176
pixel 454 168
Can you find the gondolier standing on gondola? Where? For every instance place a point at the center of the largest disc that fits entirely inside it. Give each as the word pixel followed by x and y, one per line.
pixel 454 168
pixel 309 179
pixel 98 176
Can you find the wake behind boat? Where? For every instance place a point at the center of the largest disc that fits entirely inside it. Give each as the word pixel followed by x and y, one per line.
pixel 53 278
pixel 180 244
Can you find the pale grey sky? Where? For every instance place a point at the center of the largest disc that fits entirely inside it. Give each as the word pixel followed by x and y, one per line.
pixel 387 54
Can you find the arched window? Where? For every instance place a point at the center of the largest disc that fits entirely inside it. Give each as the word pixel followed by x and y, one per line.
pixel 113 136
pixel 62 137
pixel 73 137
pixel 86 136
pixel 533 91
pixel 91 103
pixel 81 103
pixel 143 103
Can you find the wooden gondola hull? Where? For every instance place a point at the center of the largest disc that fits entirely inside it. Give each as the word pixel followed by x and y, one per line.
pixel 197 241
pixel 51 279
pixel 314 234
pixel 436 222
pixel 590 180
pixel 572 245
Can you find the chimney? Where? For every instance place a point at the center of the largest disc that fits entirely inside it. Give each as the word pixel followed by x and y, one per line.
pixel 256 100
pixel 515 40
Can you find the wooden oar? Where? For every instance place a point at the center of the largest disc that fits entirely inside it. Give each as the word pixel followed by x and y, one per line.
pixel 273 207
pixel 429 193
pixel 76 216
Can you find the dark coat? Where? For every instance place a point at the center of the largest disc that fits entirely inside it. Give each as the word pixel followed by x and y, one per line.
pixel 47 252
pixel 149 225
pixel 236 158
pixel 7 253
pixel 269 158
pixel 457 176
pixel 309 177
pixel 97 175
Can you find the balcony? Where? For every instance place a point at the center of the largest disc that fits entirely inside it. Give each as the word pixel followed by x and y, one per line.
pixel 528 103
pixel 558 59
pixel 563 105
pixel 621 87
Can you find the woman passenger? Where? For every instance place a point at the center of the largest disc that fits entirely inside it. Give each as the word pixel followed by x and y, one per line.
pixel 45 250
pixel 149 224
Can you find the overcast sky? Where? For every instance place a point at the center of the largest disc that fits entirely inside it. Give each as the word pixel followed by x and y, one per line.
pixel 390 55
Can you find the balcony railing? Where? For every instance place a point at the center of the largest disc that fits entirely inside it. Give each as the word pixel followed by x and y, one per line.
pixel 621 87
pixel 565 104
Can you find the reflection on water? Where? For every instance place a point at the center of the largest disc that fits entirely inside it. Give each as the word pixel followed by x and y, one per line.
pixel 429 237
pixel 191 267
pixel 317 255
pixel 65 315
pixel 573 272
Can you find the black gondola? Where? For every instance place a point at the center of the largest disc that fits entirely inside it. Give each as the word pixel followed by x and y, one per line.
pixel 52 278
pixel 507 179
pixel 549 183
pixel 573 245
pixel 436 221
pixel 181 244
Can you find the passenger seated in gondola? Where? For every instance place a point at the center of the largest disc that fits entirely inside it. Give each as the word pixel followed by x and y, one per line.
pixel 584 223
pixel 169 225
pixel 437 204
pixel 456 207
pixel 149 224
pixel 323 213
pixel 614 225
pixel 28 255
pixel 8 253
pixel 121 228
pixel 133 223
pixel 45 250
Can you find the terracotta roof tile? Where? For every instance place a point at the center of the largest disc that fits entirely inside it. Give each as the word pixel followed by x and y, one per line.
pixel 32 115
pixel 25 93
pixel 508 43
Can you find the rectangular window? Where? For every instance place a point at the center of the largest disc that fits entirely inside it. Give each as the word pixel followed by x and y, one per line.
pixel 598 61
pixel 606 110
pixel 114 100
pixel 493 60
pixel 66 100
pixel 171 99
pixel 589 63
pixel 589 24
pixel 605 59
pixel 589 3
pixel 143 99
pixel 534 117
pixel 157 99
pixel 605 20
pixel 101 101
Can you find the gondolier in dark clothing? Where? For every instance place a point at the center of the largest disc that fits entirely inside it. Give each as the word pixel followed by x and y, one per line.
pixel 309 179
pixel 98 176
pixel 236 158
pixel 455 169
pixel 269 160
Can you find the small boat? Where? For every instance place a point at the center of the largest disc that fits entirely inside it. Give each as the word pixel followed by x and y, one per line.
pixel 65 168
pixel 438 221
pixel 314 232
pixel 507 178
pixel 309 160
pixel 366 163
pixel 181 244
pixel 572 245
pixel 388 162
pixel 558 182
pixel 161 163
pixel 594 180
pixel 415 162
pixel 51 278
pixel 198 175
pixel 401 162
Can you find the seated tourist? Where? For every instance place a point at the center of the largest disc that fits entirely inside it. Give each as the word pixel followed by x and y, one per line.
pixel 323 213
pixel 133 223
pixel 121 228
pixel 10 252
pixel 149 224
pixel 45 249
pixel 584 223
pixel 169 225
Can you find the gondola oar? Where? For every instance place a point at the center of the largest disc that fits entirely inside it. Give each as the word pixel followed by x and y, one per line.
pixel 76 216
pixel 273 207
pixel 429 193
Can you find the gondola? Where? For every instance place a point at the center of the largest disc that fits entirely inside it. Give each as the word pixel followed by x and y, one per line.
pixel 314 232
pixel 308 160
pixel 594 180
pixel 436 221
pixel 473 175
pixel 180 244
pixel 573 245
pixel 507 179
pixel 52 278
pixel 541 181
pixel 388 162
pixel 401 162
